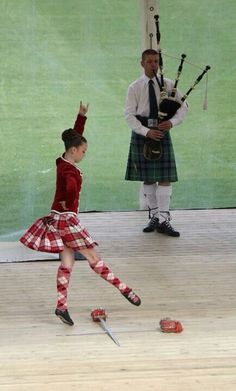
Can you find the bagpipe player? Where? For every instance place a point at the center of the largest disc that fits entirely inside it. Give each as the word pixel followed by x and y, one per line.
pixel 142 105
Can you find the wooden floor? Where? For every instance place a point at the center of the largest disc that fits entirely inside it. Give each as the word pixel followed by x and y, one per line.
pixel 191 278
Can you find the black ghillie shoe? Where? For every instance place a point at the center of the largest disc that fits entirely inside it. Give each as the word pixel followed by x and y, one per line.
pixel 132 298
pixel 166 229
pixel 152 225
pixel 64 316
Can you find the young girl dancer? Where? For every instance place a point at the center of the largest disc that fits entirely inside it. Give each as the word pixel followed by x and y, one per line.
pixel 61 231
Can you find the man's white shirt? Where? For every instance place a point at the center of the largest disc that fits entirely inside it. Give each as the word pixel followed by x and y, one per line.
pixel 137 103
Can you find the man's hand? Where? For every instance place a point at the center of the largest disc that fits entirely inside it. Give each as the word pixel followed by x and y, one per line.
pixel 165 126
pixel 159 133
pixel 83 109
pixel 155 134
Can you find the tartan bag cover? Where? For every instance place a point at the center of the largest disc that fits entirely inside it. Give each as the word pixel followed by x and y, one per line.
pixel 50 233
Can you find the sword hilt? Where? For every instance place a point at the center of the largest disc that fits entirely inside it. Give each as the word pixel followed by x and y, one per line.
pixel 98 314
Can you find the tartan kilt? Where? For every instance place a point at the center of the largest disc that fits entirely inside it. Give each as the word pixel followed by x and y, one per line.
pixel 50 233
pixel 141 169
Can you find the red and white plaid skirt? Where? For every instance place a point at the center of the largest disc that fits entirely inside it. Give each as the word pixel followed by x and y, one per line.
pixel 50 234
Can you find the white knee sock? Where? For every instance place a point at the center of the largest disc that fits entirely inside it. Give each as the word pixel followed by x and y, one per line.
pixel 151 197
pixel 163 201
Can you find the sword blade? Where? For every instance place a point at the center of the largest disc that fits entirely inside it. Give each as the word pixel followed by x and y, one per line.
pixel 108 331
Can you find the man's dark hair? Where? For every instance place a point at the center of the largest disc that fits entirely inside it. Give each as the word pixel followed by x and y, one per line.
pixel 149 52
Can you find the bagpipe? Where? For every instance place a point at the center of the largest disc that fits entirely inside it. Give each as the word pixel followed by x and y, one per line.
pixel 169 103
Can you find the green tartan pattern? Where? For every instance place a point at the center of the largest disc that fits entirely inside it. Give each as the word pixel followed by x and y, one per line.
pixel 141 169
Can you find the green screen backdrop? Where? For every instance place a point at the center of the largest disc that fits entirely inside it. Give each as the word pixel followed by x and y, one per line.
pixel 55 53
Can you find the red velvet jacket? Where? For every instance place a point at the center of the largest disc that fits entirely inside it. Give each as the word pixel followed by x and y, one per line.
pixel 69 179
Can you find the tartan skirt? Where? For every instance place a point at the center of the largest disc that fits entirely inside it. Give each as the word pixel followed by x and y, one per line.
pixel 50 233
pixel 141 169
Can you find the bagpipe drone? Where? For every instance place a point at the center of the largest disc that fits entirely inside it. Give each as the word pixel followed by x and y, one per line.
pixel 169 104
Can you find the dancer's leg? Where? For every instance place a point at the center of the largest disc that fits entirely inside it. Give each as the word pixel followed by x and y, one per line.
pixel 63 279
pixel 97 264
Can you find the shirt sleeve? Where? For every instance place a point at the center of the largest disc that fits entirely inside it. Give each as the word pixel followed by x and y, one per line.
pixel 179 115
pixel 131 105
pixel 79 124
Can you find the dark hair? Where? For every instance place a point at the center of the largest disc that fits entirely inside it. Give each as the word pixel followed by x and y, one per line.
pixel 72 139
pixel 149 52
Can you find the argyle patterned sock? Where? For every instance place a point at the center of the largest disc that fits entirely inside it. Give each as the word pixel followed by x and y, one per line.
pixel 103 270
pixel 63 278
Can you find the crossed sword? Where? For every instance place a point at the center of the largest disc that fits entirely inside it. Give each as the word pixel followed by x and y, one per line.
pixel 99 315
